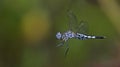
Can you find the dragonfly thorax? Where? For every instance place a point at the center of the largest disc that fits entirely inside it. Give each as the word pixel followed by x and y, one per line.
pixel 69 34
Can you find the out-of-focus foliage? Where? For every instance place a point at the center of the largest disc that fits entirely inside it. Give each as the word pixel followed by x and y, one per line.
pixel 28 28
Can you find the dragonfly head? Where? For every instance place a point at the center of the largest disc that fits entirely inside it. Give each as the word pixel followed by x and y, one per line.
pixel 59 35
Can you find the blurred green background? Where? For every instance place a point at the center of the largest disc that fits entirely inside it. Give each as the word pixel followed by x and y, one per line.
pixel 28 29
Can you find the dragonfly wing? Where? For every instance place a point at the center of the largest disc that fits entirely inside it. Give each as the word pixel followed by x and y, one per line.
pixel 72 20
pixel 82 27
pixel 66 49
pixel 60 44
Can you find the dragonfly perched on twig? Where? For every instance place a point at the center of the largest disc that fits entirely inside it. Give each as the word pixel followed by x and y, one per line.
pixel 75 30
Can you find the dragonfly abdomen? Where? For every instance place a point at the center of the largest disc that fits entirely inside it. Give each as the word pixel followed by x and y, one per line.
pixel 81 36
pixel 99 37
pixel 95 37
pixel 84 37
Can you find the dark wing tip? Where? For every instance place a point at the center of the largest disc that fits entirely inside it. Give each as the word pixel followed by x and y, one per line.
pixel 100 37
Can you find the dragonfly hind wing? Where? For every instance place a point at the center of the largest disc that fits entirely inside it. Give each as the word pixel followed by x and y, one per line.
pixel 82 27
pixel 66 49
pixel 60 44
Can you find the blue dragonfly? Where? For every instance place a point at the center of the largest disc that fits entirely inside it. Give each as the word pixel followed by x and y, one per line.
pixel 75 31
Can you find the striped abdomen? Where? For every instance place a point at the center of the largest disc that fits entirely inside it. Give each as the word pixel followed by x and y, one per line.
pixel 84 37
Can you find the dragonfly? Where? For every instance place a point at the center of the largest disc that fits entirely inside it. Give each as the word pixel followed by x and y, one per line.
pixel 75 31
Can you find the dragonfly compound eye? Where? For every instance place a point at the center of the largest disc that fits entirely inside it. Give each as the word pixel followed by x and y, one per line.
pixel 58 35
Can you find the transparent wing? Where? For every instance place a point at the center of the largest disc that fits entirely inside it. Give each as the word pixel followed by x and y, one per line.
pixel 60 44
pixel 82 27
pixel 66 48
pixel 72 20
pixel 66 51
